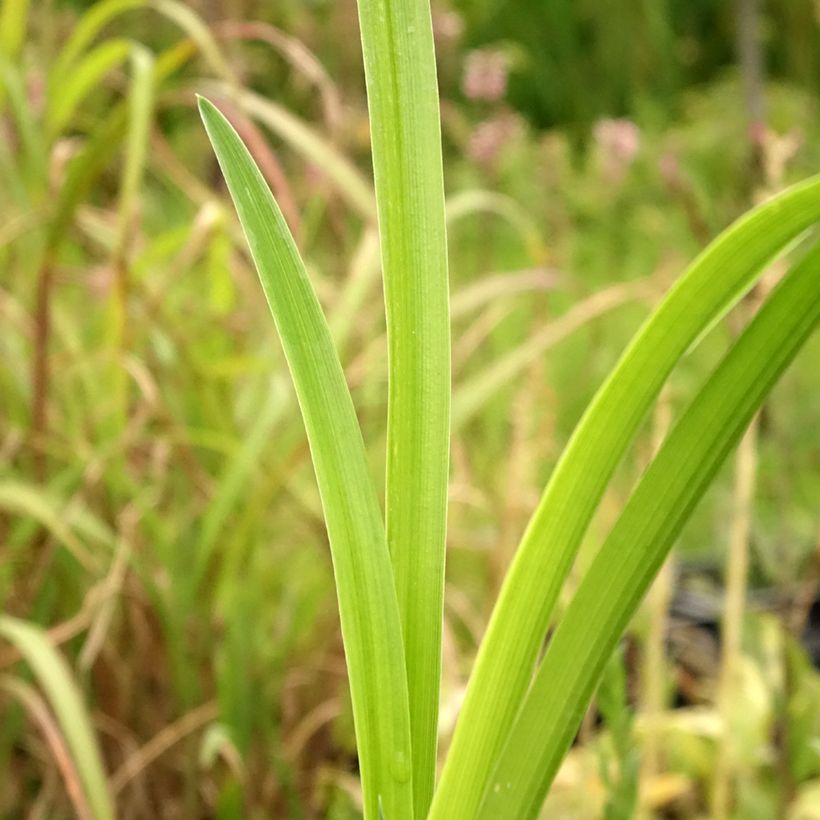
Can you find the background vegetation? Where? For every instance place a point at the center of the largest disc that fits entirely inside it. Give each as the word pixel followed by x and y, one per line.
pixel 158 512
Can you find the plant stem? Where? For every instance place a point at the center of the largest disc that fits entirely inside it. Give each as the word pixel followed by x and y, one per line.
pixel 654 669
pixel 40 369
pixel 737 572
pixel 750 56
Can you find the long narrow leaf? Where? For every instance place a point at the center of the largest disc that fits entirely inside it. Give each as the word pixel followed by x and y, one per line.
pixel 520 619
pixel 364 578
pixel 400 69
pixel 621 573
pixel 56 680
pixel 102 13
pixel 13 21
pixel 101 145
pixel 35 504
pixel 40 714
pixel 472 395
pixel 140 109
pixel 83 79
pixel 306 141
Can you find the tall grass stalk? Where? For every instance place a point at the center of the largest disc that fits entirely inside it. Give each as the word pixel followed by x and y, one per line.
pixel 734 609
pixel 139 116
pixel 654 682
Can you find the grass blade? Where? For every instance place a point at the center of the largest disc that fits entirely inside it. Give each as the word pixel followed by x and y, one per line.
pixel 233 486
pixel 140 109
pixel 402 90
pixel 470 396
pixel 56 681
pixel 84 79
pixel 621 573
pixel 13 21
pixel 33 502
pixel 100 14
pixel 305 140
pixel 364 576
pixel 520 619
pixel 40 714
pixel 13 25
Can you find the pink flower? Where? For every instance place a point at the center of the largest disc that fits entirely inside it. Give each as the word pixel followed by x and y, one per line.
pixel 490 138
pixel 618 139
pixel 618 142
pixel 447 26
pixel 485 75
pixel 669 168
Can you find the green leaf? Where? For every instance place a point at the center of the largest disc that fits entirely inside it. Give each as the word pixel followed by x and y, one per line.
pixel 140 109
pixel 471 396
pixel 35 503
pixel 233 486
pixel 100 14
pixel 364 577
pixel 479 201
pixel 13 23
pixel 520 619
pixel 622 571
pixel 306 141
pixel 32 148
pixel 402 92
pixel 61 691
pixel 83 79
pixel 101 145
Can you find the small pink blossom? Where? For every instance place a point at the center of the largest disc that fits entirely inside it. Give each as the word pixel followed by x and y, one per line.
pixel 485 75
pixel 669 168
pixel 618 142
pixel 490 137
pixel 447 26
pixel 619 139
pixel 36 91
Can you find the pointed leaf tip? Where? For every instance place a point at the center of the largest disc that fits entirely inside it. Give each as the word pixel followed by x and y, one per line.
pixel 206 108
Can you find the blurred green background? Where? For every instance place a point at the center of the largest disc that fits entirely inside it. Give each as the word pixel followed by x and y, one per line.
pixel 158 515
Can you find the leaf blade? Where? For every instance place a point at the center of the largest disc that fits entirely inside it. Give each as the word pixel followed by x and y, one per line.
pixel 402 90
pixel 521 616
pixel 367 598
pixel 634 551
pixel 56 680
